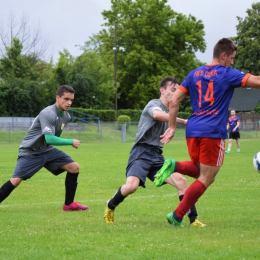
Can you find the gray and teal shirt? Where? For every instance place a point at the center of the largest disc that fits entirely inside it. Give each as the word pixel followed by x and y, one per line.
pixel 149 129
pixel 49 121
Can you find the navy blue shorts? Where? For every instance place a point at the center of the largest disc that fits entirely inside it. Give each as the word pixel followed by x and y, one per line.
pixel 144 162
pixel 28 165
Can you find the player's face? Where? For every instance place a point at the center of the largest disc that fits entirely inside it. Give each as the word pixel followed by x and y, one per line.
pixel 169 91
pixel 232 113
pixel 229 60
pixel 64 102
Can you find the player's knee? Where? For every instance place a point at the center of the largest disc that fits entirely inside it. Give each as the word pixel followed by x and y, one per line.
pixel 16 181
pixel 182 183
pixel 73 167
pixel 131 187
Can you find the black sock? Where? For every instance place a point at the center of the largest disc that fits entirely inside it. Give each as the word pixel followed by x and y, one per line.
pixel 192 213
pixel 116 200
pixel 70 187
pixel 5 190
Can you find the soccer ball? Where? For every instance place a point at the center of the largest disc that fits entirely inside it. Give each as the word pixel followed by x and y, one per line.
pixel 256 161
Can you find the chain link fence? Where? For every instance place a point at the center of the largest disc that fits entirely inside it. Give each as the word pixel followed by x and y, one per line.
pixel 14 131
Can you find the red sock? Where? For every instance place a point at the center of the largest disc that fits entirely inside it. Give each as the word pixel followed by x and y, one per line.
pixel 187 168
pixel 191 196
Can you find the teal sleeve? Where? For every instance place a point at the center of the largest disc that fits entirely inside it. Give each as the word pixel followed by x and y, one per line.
pixel 55 140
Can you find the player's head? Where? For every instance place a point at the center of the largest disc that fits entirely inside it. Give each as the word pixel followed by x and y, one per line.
pixel 168 86
pixel 225 51
pixel 64 88
pixel 232 112
pixel 169 82
pixel 64 97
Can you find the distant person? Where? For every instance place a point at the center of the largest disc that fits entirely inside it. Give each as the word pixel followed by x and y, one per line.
pixel 210 88
pixel 36 150
pixel 232 125
pixel 146 154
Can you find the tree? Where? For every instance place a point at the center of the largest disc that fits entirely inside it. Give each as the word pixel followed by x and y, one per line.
pixel 152 41
pixel 248 41
pixel 32 42
pixel 89 76
pixel 24 88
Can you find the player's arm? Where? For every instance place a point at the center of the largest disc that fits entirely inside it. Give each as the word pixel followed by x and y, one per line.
pixel 227 126
pixel 160 115
pixel 55 140
pixel 253 81
pixel 237 125
pixel 174 109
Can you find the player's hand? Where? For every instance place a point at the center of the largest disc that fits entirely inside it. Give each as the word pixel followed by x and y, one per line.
pixel 76 143
pixel 167 136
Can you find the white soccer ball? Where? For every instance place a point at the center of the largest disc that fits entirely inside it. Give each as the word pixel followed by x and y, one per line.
pixel 256 161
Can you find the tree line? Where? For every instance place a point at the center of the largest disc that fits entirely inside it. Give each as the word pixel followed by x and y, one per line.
pixel 149 41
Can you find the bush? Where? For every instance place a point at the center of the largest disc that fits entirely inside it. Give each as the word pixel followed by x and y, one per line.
pixel 123 119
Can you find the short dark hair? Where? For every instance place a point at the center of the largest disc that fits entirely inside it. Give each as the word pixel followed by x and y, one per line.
pixel 224 45
pixel 167 79
pixel 64 88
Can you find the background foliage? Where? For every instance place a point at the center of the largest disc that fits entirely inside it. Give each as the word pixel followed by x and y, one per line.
pixel 150 40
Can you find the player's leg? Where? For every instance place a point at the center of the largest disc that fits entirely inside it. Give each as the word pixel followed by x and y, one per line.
pixel 181 184
pixel 8 187
pixel 211 155
pixel 139 164
pixel 196 190
pixel 238 143
pixel 230 140
pixel 56 162
pixel 26 167
pixel 131 185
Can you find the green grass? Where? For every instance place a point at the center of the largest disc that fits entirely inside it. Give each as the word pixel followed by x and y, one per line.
pixel 33 225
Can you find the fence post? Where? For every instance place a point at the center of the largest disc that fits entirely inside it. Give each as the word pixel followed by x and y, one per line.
pixel 123 131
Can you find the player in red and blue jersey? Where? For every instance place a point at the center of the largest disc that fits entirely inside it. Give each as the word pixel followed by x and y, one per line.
pixel 232 125
pixel 210 88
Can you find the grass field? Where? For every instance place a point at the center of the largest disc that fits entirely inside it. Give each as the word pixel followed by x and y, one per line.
pixel 33 225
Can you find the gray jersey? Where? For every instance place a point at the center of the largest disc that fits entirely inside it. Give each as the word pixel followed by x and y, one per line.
pixel 149 130
pixel 49 121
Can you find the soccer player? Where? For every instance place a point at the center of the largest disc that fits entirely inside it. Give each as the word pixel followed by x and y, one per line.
pixel 210 88
pixel 232 125
pixel 146 154
pixel 36 150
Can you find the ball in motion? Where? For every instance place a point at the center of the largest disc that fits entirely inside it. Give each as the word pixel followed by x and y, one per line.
pixel 256 161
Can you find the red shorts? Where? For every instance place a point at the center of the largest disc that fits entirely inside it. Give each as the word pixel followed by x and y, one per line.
pixel 208 151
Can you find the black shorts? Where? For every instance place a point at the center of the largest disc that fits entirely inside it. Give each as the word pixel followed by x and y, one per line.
pixel 144 162
pixel 27 165
pixel 234 135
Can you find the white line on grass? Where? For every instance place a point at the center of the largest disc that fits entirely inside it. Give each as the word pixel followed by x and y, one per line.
pixel 95 200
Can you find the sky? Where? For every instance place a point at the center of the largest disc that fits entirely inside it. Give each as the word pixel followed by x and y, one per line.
pixel 67 23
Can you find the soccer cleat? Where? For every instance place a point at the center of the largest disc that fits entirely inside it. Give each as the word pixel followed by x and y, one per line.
pixel 198 223
pixel 109 215
pixel 227 152
pixel 167 169
pixel 74 206
pixel 173 221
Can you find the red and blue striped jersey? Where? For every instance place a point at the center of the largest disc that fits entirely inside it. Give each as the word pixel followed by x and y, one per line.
pixel 211 88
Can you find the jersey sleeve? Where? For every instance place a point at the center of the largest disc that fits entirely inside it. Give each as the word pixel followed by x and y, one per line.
pixel 237 78
pixel 151 106
pixel 47 121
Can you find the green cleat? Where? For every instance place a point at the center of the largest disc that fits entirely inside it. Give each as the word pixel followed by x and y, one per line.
pixel 227 152
pixel 167 169
pixel 173 221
